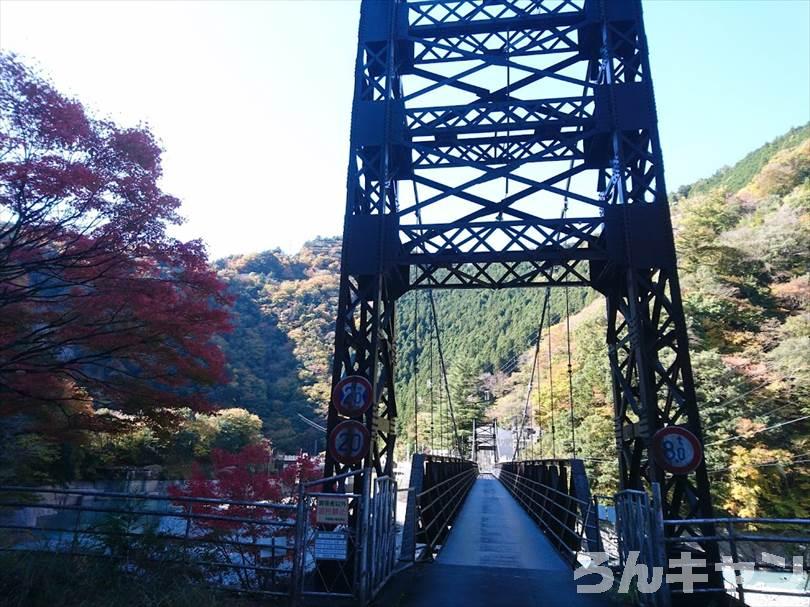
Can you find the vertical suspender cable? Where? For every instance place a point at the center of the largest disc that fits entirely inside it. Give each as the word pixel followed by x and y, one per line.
pixel 551 392
pixel 430 363
pixel 442 415
pixel 416 371
pixel 570 375
pixel 444 377
pixel 527 406
pixel 539 423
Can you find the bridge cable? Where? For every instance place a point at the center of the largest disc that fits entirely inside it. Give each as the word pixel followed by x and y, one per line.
pixel 430 362
pixel 760 431
pixel 551 391
pixel 539 440
pixel 790 376
pixel 444 375
pixel 416 372
pixel 442 417
pixel 796 459
pixel 526 413
pixel 754 414
pixel 438 340
pixel 570 375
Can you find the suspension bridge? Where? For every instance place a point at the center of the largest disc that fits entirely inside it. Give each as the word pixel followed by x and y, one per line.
pixel 494 144
pixel 514 144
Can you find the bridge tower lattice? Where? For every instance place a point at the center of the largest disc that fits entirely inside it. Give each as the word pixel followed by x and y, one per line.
pixel 514 143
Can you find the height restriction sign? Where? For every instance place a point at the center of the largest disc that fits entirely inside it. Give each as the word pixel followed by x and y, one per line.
pixel 352 396
pixel 349 442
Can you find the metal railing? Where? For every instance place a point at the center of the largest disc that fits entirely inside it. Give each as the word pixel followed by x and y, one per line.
pixel 369 535
pixel 767 557
pixel 231 544
pixel 438 486
pixel 562 508
pixel 257 547
pixel 447 482
pixel 737 546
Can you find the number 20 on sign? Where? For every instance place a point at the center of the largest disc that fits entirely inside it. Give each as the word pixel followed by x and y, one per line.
pixel 349 442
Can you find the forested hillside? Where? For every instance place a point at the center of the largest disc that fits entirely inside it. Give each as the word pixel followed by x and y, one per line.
pixel 743 238
pixel 280 350
pixel 744 256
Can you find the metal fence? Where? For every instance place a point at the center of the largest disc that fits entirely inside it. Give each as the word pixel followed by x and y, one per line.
pixel 369 534
pixel 271 549
pixel 438 486
pixel 767 558
pixel 233 544
pixel 639 536
pixel 749 565
pixel 561 505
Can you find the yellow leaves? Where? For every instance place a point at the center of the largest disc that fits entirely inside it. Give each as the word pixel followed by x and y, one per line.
pixel 754 477
pixel 747 427
pixel 786 170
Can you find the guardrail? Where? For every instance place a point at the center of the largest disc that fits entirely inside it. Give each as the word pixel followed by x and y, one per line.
pixel 231 544
pixel 739 545
pixel 262 548
pixel 768 557
pixel 555 494
pixel 438 487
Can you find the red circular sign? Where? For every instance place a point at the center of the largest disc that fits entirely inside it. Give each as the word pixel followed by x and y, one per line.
pixel 349 442
pixel 677 450
pixel 352 396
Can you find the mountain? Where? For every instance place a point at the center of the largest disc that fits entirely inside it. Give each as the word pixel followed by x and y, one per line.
pixel 279 352
pixel 743 238
pixel 280 348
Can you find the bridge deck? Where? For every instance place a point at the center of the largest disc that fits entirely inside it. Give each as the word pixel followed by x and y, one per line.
pixel 492 530
pixel 495 556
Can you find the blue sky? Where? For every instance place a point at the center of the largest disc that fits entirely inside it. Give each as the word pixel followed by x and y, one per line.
pixel 252 99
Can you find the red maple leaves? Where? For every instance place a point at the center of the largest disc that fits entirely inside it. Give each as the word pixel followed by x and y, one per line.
pixel 97 301
pixel 245 476
pixel 247 518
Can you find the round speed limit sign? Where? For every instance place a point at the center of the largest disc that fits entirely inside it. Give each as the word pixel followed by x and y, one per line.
pixel 349 442
pixel 677 450
pixel 352 396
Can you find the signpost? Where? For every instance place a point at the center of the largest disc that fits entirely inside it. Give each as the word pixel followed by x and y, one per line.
pixel 352 396
pixel 332 510
pixel 331 546
pixel 677 450
pixel 349 442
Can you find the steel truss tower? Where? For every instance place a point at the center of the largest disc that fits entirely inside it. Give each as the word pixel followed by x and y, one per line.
pixel 514 143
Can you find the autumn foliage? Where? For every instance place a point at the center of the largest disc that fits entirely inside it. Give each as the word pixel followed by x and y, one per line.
pixel 234 526
pixel 245 476
pixel 98 303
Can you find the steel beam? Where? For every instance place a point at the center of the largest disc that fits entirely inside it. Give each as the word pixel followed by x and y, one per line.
pixel 514 143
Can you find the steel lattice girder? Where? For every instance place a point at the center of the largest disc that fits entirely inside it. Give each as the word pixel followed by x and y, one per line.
pixel 514 143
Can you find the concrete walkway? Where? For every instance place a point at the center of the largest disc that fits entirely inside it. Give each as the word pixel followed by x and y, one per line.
pixel 495 556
